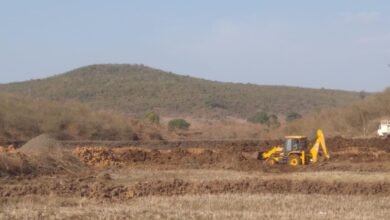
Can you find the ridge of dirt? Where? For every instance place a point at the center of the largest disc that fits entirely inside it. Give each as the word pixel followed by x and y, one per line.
pixel 180 187
pixel 340 143
pixel 44 155
pixel 333 143
pixel 105 188
pixel 237 158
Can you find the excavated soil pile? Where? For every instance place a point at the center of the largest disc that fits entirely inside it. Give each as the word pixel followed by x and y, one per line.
pixel 41 155
pixel 353 152
pixel 7 150
pixel 99 157
pixel 228 158
pixel 42 145
pixel 14 163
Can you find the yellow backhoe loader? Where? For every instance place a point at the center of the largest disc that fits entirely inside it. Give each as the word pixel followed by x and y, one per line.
pixel 295 151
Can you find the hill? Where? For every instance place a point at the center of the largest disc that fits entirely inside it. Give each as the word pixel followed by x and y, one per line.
pixel 23 118
pixel 136 89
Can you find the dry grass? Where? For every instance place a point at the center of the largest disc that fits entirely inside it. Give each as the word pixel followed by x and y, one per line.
pixel 131 176
pixel 360 119
pixel 226 206
pixel 230 128
pixel 335 176
pixel 22 118
pixel 205 206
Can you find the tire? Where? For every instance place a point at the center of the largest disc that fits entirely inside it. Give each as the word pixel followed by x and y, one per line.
pixel 270 162
pixel 294 160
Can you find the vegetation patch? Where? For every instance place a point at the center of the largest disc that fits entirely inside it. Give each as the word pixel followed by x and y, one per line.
pixel 178 124
pixel 152 117
pixel 22 118
pixel 271 120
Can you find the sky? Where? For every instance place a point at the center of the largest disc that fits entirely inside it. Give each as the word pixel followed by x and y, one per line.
pixel 337 44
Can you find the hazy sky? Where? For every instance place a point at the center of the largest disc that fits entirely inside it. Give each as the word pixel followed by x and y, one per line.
pixel 342 44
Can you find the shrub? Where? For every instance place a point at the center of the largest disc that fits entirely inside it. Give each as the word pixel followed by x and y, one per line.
pixel 265 119
pixel 215 104
pixel 291 116
pixel 178 124
pixel 152 117
pixel 259 118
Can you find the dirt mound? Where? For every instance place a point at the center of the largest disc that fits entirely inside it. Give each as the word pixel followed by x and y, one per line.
pixel 339 143
pixel 234 157
pixel 42 145
pixel 41 155
pixel 180 187
pixel 178 157
pixel 99 157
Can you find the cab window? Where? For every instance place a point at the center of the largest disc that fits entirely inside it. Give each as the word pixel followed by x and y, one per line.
pixel 288 145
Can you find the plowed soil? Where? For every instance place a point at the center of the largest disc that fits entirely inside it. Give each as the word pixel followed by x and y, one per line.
pixel 106 188
pixel 77 172
pixel 346 154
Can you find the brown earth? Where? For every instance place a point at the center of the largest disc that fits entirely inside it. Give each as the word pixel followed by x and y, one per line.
pixel 335 143
pixel 103 187
pixel 44 167
pixel 180 187
pixel 42 155
pixel 346 154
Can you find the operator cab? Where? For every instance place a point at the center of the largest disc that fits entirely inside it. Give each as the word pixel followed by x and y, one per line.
pixel 295 143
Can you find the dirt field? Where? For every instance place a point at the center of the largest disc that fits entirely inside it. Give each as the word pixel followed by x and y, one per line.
pixel 192 182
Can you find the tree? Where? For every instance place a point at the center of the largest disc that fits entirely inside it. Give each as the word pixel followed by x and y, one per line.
pixel 363 115
pixel 273 121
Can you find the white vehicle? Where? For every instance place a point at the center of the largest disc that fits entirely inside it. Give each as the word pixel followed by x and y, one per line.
pixel 384 128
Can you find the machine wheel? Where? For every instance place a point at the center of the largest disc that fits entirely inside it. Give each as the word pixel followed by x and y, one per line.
pixel 294 160
pixel 270 161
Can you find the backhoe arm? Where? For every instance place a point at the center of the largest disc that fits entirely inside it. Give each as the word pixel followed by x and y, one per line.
pixel 268 154
pixel 320 141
